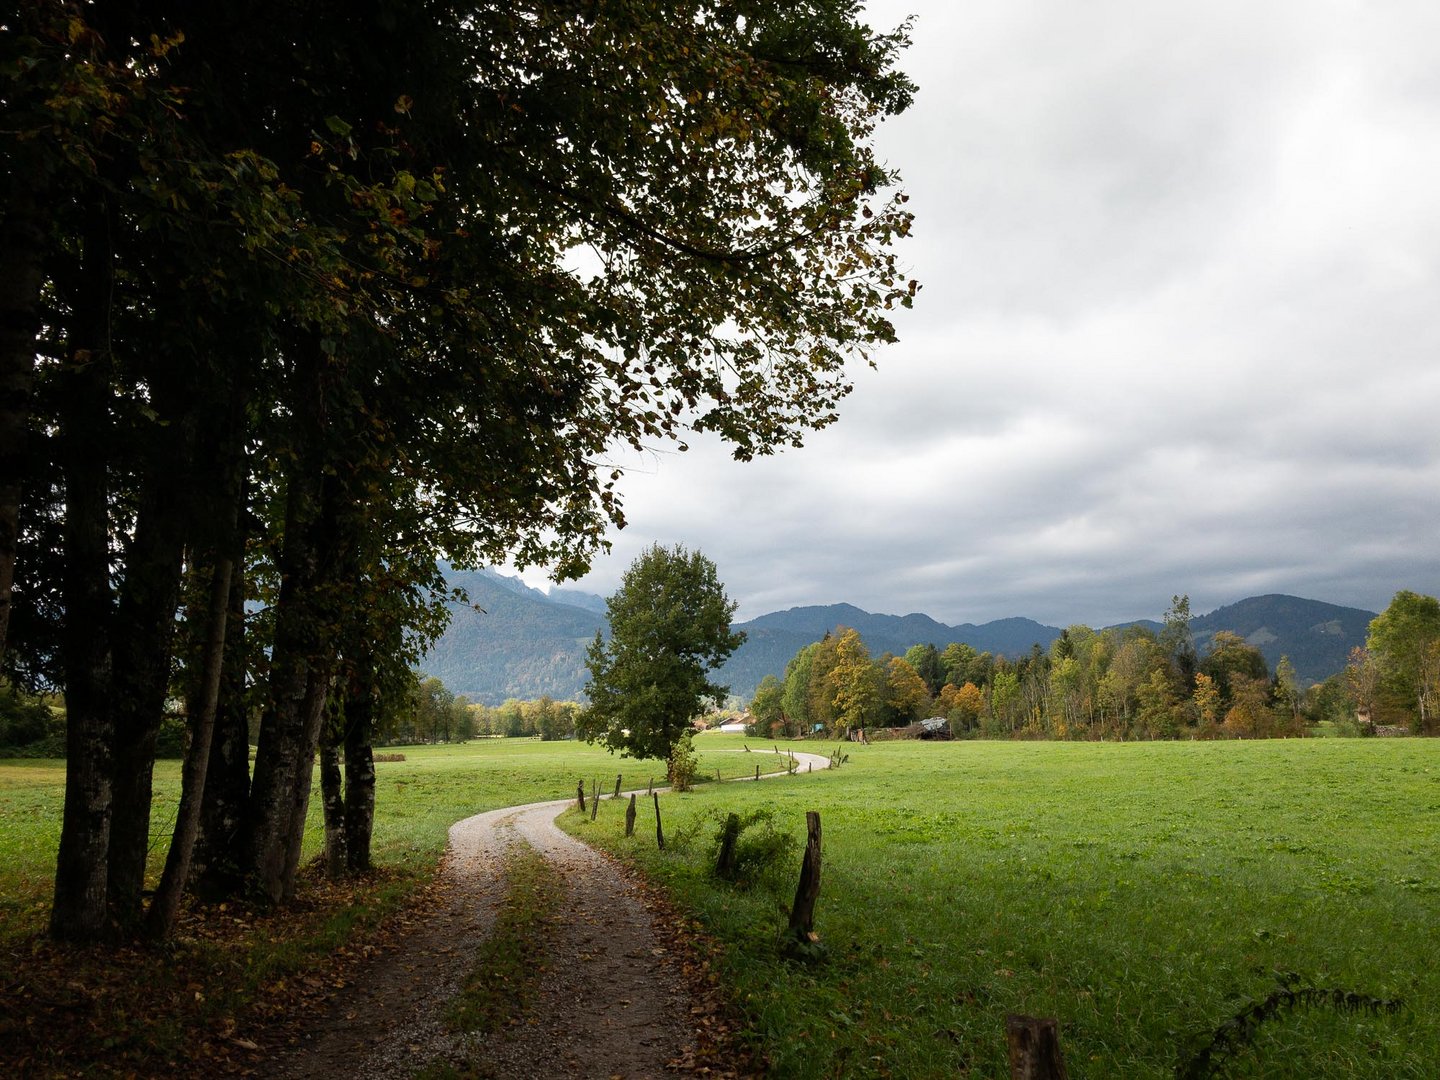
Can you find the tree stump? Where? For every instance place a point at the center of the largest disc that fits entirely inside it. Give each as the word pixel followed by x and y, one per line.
pixel 725 864
pixel 630 816
pixel 580 795
pixel 1034 1046
pixel 807 891
pixel 659 832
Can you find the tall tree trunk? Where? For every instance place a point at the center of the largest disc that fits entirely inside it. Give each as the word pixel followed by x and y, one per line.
pixel 217 867
pixel 21 235
pixel 337 858
pixel 301 654
pixel 314 716
pixel 144 650
pixel 359 773
pixel 79 911
pixel 160 919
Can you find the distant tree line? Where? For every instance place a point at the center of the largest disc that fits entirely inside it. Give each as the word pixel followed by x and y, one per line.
pixel 1120 683
pixel 543 718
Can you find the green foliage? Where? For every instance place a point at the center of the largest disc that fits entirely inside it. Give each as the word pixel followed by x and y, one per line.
pixel 683 763
pixel 767 707
pixel 669 626
pixel 29 727
pixel 1404 640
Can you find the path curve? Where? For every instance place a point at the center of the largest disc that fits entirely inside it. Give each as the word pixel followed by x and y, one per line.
pixel 612 1002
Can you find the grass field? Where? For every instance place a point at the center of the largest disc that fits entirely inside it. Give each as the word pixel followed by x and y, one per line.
pixel 416 802
pixel 1141 893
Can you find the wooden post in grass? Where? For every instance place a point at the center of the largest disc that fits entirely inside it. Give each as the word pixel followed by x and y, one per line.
pixel 757 772
pixel 725 864
pixel 1034 1048
pixel 650 787
pixel 630 816
pixel 802 912
pixel 617 784
pixel 717 774
pixel 580 795
pixel 659 832
pixel 595 801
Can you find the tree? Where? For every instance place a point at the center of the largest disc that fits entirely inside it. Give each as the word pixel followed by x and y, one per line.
pixel 767 706
pixel 853 683
pixel 669 626
pixel 905 694
pixel 1402 639
pixel 365 256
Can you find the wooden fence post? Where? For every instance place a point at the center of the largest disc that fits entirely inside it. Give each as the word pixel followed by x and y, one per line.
pixel 1034 1046
pixel 630 816
pixel 802 912
pixel 725 864
pixel 659 832
pixel 580 795
pixel 617 784
pixel 595 800
pixel 757 772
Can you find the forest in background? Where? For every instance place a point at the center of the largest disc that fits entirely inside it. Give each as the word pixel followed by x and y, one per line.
pixel 1127 682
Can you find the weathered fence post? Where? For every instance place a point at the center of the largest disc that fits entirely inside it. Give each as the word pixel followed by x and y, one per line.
pixel 718 777
pixel 810 767
pixel 650 787
pixel 757 772
pixel 802 912
pixel 725 864
pixel 595 800
pixel 630 816
pixel 659 832
pixel 1034 1048
pixel 580 795
pixel 617 784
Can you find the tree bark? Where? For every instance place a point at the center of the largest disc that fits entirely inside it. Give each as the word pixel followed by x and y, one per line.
pixel 359 774
pixel 79 912
pixel 217 869
pixel 21 241
pixel 332 795
pixel 144 649
pixel 160 919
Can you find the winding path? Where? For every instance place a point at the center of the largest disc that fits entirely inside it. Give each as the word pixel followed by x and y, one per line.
pixel 612 1001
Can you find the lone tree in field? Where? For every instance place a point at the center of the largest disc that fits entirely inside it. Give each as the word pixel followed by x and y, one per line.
pixel 669 625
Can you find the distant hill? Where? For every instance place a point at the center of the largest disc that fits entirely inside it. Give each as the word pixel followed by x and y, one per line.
pixel 526 644
pixel 521 643
pixel 1316 636
pixel 771 640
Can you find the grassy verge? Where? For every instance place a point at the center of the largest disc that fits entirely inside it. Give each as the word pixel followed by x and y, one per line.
pixel 1144 894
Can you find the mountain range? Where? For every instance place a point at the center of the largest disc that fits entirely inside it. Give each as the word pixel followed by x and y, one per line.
pixel 515 641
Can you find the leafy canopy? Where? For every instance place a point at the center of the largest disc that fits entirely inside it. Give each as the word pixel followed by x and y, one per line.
pixel 669 626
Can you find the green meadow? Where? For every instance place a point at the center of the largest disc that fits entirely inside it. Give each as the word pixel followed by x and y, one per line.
pixel 416 802
pixel 1141 893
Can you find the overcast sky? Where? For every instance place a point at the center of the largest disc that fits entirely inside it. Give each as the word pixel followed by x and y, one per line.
pixel 1178 333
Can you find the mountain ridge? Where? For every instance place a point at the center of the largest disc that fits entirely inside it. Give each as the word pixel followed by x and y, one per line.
pixel 524 643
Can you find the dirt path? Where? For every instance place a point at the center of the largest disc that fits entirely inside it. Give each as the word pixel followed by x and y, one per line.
pixel 613 1001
